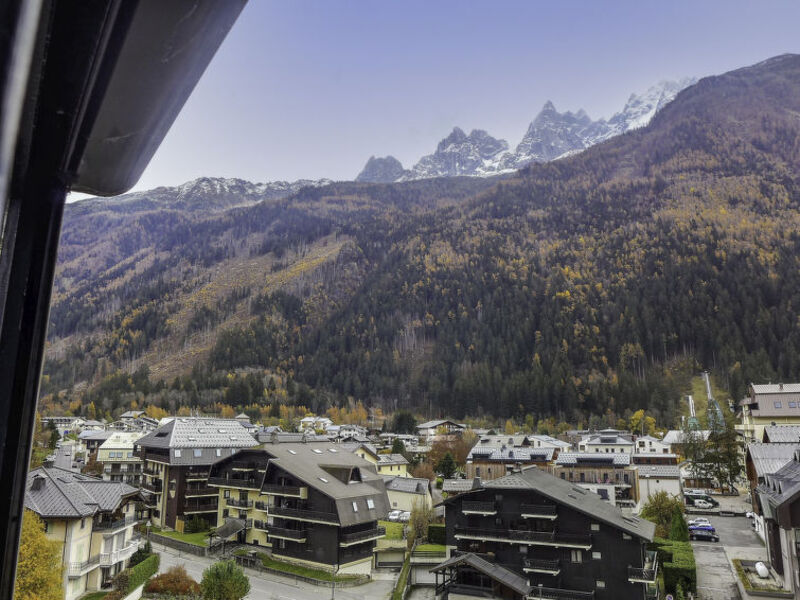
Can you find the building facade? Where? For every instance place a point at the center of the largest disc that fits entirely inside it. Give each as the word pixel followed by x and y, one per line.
pixel 532 535
pixel 768 404
pixel 118 459
pixel 93 520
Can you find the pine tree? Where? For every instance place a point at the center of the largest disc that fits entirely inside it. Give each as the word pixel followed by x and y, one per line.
pixel 678 530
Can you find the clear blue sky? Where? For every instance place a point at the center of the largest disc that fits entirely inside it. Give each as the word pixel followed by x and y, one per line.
pixel 312 88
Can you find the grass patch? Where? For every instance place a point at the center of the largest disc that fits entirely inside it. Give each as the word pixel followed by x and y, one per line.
pixel 394 531
pixel 400 586
pixel 293 569
pixel 94 596
pixel 752 586
pixel 196 539
pixel 430 548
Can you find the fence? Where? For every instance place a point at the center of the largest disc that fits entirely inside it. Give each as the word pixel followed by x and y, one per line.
pixel 253 562
pixel 178 545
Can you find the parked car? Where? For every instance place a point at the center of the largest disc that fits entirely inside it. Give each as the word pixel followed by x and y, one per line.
pixel 394 516
pixel 703 535
pixel 699 521
pixel 704 504
pixel 701 528
pixel 405 517
pixel 692 497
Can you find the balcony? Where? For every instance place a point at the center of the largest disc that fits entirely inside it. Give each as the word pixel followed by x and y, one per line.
pixel 78 569
pixel 109 526
pixel 360 537
pixel 190 508
pixel 235 502
pixel 262 506
pixel 150 471
pixel 302 514
pixel 277 489
pixel 538 511
pixel 539 593
pixel 478 508
pixel 532 538
pixel 648 573
pixel 280 533
pixel 194 475
pixel 108 559
pixel 548 567
pixel 194 492
pixel 245 483
pixel 260 525
pixel 153 486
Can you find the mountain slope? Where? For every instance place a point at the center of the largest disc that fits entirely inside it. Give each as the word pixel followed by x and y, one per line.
pixel 569 290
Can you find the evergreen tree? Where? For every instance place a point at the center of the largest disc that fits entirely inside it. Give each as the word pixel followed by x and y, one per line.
pixel 447 466
pixel 678 530
pixel 224 580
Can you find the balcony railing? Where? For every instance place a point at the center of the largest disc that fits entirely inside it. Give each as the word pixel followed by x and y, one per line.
pixel 76 569
pixel 478 508
pixel 262 525
pixel 546 593
pixel 277 489
pixel 302 514
pixel 196 474
pixel 201 491
pixel 262 506
pixel 538 511
pixel 153 486
pixel 199 507
pixel 235 482
pixel 109 525
pixel 648 573
pixel 108 559
pixel 515 536
pixel 239 503
pixel 359 537
pixel 282 533
pixel 535 565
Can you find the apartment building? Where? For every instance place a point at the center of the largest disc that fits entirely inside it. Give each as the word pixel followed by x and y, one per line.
pixel 177 457
pixel 607 441
pixel 93 520
pixel 610 475
pixel 313 503
pixel 118 459
pixel 768 404
pixel 492 462
pixel 532 535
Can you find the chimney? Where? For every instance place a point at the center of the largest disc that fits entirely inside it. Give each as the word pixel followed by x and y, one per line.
pixel 38 482
pixel 780 386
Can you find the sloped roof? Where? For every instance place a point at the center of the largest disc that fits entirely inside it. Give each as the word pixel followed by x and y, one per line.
pixel 121 440
pixel 782 434
pixel 199 432
pixel 392 459
pixel 676 436
pixel 69 495
pixel 460 485
pixel 408 485
pixel 508 454
pixel 500 574
pixel 548 439
pixel 617 459
pixel 783 486
pixel 437 423
pixel 229 528
pixel 775 388
pixel 611 439
pixel 664 471
pixel 90 434
pixel 575 497
pixel 770 458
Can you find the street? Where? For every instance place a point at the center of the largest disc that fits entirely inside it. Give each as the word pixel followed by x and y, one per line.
pixel 276 588
pixel 64 456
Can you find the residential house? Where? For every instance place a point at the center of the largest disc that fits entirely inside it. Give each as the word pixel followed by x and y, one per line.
pixel 311 503
pixel 768 404
pixel 118 459
pixel 532 535
pixel 92 440
pixel 607 441
pixel 431 429
pixel 779 498
pixel 493 462
pixel 676 439
pixel 92 519
pixel 177 457
pixel 312 424
pixel 781 434
pixel 645 444
pixel 760 461
pixel 406 493
pixel 654 478
pixel 453 487
pixel 610 475
pixel 386 464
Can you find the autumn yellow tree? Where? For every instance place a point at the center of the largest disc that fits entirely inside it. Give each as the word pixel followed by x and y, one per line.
pixel 39 563
pixel 155 412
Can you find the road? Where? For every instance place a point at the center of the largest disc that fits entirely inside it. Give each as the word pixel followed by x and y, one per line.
pixel 65 456
pixel 277 588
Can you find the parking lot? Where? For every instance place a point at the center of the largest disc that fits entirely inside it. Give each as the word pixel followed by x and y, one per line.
pixel 715 577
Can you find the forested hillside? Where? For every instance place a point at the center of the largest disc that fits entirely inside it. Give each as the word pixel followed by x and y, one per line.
pixel 575 288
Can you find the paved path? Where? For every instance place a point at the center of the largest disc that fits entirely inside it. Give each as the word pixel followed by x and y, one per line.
pixel 275 588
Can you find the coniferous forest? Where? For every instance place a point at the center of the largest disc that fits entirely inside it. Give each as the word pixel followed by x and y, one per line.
pixel 581 289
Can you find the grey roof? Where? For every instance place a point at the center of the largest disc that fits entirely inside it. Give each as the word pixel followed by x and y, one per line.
pixel 53 493
pixel 576 498
pixel 291 437
pixel 770 458
pixel 409 485
pixel 95 435
pixel 548 439
pixel 392 459
pixel 131 414
pixel 611 439
pixel 676 436
pixel 460 485
pixel 663 471
pixel 782 434
pixel 437 423
pixel 775 388
pixel 525 454
pixel 199 432
pixel 229 528
pixel 783 486
pixel 617 459
pixel 496 572
pixel 774 400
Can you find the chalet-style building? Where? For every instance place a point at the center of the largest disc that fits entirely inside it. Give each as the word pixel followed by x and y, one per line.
pixel 407 493
pixel 445 427
pixel 779 497
pixel 395 465
pixel 646 444
pixel 312 503
pixel 92 440
pixel 118 460
pixel 492 462
pixel 93 520
pixel 177 457
pixel 607 441
pixel 676 439
pixel 768 404
pixel 610 475
pixel 532 535
pixel 760 461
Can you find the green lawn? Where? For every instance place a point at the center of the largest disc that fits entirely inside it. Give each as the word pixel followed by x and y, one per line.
pixel 196 539
pixel 94 596
pixel 285 567
pixel 698 392
pixel 430 548
pixel 394 531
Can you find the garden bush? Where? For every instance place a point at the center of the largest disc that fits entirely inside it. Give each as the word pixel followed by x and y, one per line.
pixel 175 582
pixel 436 534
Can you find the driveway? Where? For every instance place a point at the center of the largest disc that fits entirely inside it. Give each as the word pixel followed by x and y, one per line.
pixel 275 588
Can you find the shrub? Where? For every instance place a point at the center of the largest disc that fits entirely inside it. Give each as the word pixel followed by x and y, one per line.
pixel 195 525
pixel 175 581
pixel 141 554
pixel 678 565
pixel 224 580
pixel 436 534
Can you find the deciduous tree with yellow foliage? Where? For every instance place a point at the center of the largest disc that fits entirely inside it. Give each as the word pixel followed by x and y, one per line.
pixel 39 563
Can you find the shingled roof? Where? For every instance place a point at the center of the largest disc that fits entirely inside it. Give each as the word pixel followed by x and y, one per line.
pixel 58 493
pixel 199 432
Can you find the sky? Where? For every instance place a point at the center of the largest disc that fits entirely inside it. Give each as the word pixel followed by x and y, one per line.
pixel 313 88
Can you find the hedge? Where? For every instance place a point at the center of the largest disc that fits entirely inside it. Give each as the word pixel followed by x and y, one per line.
pixel 436 534
pixel 142 572
pixel 677 564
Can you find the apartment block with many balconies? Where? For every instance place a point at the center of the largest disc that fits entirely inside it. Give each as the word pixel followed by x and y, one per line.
pixel 312 503
pixel 118 459
pixel 177 457
pixel 94 521
pixel 533 535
